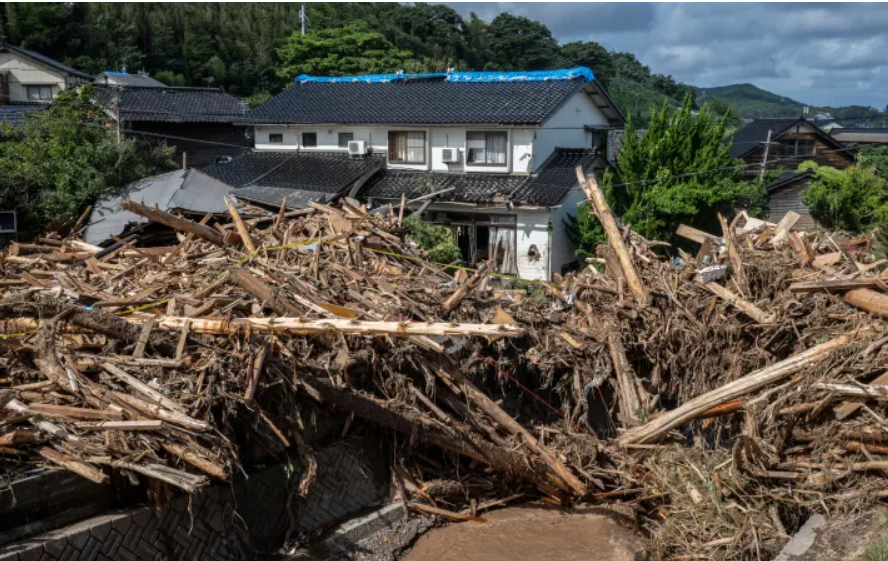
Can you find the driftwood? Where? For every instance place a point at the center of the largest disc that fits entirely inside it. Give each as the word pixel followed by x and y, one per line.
pixel 749 383
pixel 454 300
pixel 748 308
pixel 175 222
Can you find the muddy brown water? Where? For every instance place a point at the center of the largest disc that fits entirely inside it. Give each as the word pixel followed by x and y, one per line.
pixel 532 533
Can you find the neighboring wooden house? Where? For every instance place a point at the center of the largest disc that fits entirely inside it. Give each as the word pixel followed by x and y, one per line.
pixel 491 155
pixel 787 194
pixel 793 141
pixel 199 122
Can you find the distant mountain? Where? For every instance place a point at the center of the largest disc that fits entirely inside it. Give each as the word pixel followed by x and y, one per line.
pixel 752 102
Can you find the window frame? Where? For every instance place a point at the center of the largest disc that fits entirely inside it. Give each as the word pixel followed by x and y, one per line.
pixel 306 144
pixel 275 138
pixel 790 147
pixel 351 137
pixel 425 148
pixel 469 163
pixel 39 88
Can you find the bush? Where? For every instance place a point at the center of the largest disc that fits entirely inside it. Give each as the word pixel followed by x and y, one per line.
pixel 854 199
pixel 437 241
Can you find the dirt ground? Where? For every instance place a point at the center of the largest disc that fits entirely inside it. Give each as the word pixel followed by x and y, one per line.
pixel 532 533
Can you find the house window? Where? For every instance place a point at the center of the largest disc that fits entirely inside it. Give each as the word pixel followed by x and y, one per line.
pixel 39 93
pixel 276 138
pixel 792 147
pixel 310 139
pixel 486 148
pixel 345 138
pixel 407 147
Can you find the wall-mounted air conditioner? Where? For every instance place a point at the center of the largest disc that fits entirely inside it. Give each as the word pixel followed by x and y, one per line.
pixel 357 147
pixel 450 155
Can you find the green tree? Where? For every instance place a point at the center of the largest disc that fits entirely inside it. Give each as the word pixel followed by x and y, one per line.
pixel 353 49
pixel 679 171
pixel 591 54
pixel 854 199
pixel 64 158
pixel 519 43
pixel 437 241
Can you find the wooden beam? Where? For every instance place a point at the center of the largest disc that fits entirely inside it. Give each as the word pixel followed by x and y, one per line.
pixel 263 292
pixel 149 393
pixel 869 301
pixel 299 326
pixel 729 392
pixel 465 289
pixel 175 222
pixel 71 464
pixel 745 306
pixel 695 235
pixel 614 237
pixel 241 227
pixel 834 285
pixel 75 412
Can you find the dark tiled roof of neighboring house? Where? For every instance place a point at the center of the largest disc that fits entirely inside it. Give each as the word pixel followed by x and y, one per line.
pixel 269 176
pixel 14 114
pixel 427 101
pixel 788 178
pixel 46 60
pixel 173 105
pixel 864 135
pixel 755 134
pixel 127 79
pixel 556 177
pixel 546 187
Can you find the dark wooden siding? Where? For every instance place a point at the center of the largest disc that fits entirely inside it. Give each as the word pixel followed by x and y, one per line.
pixel 824 154
pixel 199 154
pixel 789 198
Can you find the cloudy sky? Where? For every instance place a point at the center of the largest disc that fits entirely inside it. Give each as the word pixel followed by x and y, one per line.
pixel 822 54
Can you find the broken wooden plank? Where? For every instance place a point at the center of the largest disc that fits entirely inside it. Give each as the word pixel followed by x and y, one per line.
pixel 263 292
pixel 848 408
pixel 147 391
pixel 241 227
pixel 122 425
pixel 76 466
pixel 175 222
pixel 75 412
pixel 465 289
pixel 840 285
pixel 751 382
pixel 696 235
pixel 781 233
pixel 147 327
pixel 734 256
pixel 745 306
pixel 196 456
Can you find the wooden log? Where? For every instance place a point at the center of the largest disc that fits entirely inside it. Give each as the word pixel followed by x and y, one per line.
pixel 264 293
pixel 152 395
pixel 505 420
pixel 122 425
pixel 465 289
pixel 869 301
pixel 501 459
pixel 781 233
pixel 75 412
pixel 196 456
pixel 631 406
pixel 298 326
pixel 29 248
pixel 188 482
pixel 175 222
pixel 734 255
pixel 733 390
pixel 157 412
pixel 241 227
pixel 745 306
pixel 833 285
pixel 614 237
pixel 76 466
pixel 851 390
pixel 18 437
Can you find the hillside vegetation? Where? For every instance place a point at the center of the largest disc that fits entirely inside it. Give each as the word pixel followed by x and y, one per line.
pixel 255 49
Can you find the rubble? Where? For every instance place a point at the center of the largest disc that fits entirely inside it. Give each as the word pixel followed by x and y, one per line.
pixel 724 396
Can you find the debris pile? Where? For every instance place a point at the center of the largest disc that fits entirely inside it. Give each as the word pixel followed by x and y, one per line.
pixel 723 395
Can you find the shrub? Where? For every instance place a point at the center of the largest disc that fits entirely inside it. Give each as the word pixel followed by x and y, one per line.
pixel 437 241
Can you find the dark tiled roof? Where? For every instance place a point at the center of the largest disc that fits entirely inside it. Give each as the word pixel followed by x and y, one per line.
pixel 126 79
pixel 174 105
pixel 14 114
pixel 788 178
pixel 296 198
pixel 753 134
pixel 547 187
pixel 428 101
pixel 556 178
pixel 317 172
pixel 46 60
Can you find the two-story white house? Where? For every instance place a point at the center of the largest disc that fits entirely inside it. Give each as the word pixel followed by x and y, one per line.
pixel 492 155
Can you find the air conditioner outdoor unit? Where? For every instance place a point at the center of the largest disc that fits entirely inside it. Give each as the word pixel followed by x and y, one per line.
pixel 450 155
pixel 357 147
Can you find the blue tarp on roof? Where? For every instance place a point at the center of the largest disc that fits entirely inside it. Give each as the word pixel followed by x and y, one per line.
pixel 563 74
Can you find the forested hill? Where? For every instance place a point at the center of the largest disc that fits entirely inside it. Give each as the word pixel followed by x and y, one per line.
pixel 750 102
pixel 255 49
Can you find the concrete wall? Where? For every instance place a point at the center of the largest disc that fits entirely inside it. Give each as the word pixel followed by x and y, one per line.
pixel 533 229
pixel 565 128
pixel 222 522
pixel 563 249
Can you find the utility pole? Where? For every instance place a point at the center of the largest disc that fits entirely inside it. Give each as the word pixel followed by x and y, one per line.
pixel 765 157
pixel 302 17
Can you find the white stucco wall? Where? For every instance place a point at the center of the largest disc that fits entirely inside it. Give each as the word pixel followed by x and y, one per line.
pixel 533 229
pixel 563 249
pixel 23 71
pixel 565 128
